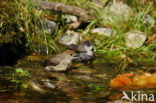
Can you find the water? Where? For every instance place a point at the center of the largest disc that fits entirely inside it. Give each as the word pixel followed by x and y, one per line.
pixel 82 83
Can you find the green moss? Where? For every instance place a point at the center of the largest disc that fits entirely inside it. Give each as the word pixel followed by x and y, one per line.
pixel 22 19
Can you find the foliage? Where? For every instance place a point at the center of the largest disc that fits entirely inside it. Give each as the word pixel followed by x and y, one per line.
pixel 114 48
pixel 96 88
pixel 20 78
pixel 21 20
pixel 26 20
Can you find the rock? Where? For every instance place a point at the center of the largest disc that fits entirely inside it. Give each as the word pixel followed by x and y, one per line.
pixel 50 26
pixel 36 86
pixel 49 85
pixel 147 19
pixel 86 78
pixel 135 39
pixel 71 37
pixel 131 81
pixel 70 18
pixel 103 31
pixel 116 12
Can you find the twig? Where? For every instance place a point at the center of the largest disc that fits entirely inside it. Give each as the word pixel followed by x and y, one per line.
pixel 66 9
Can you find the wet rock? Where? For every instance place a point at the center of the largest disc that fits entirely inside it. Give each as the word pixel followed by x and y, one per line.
pixel 116 12
pixel 36 86
pixel 70 37
pixel 70 18
pixel 135 39
pixel 50 26
pixel 103 31
pixel 86 78
pixel 49 85
pixel 131 81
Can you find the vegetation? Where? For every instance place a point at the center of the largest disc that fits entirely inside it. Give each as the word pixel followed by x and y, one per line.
pixel 22 31
pixel 20 78
pixel 21 20
pixel 115 46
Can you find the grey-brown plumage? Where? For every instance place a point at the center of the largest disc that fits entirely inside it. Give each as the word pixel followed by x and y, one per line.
pixel 83 47
pixel 59 57
pixel 63 61
pixel 84 51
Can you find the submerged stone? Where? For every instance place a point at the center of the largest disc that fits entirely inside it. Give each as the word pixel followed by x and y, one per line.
pixel 103 31
pixel 135 39
pixel 86 78
pixel 70 37
pixel 118 11
pixel 36 86
pixel 49 85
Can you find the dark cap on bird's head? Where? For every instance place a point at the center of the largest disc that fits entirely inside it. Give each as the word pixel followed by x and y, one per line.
pixel 87 43
pixel 82 47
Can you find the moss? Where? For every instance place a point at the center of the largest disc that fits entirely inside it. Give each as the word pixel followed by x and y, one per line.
pixel 22 19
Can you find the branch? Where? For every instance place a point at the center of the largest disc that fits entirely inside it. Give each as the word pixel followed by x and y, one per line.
pixel 66 9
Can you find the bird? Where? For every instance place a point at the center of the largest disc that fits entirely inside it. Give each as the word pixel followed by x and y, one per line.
pixel 59 57
pixel 76 53
pixel 63 65
pixel 84 51
pixel 82 47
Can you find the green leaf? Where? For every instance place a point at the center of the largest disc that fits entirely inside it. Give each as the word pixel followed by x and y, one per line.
pixel 19 70
pixel 24 85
